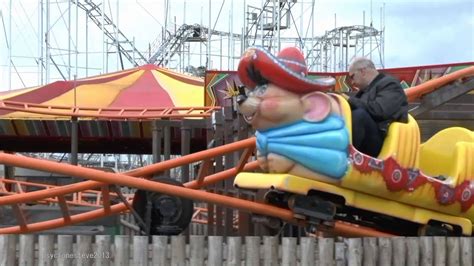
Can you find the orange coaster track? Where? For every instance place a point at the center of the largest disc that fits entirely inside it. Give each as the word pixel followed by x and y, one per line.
pixel 87 198
pixel 102 180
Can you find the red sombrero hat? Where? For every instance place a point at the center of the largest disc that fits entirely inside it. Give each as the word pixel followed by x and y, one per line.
pixel 288 70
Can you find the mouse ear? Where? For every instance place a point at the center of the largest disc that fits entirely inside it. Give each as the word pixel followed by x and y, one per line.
pixel 317 106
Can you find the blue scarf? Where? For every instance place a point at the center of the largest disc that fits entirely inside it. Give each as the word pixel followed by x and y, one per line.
pixel 319 146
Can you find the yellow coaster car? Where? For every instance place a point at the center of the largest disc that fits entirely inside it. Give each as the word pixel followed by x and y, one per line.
pixel 409 189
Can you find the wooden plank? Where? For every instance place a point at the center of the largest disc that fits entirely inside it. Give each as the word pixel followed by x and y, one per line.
pixel 8 250
pixel 399 251
pixel 270 250
pixel 140 250
pixel 288 256
pixel 46 254
pixel 122 250
pixel 215 251
pixel 104 253
pixel 64 208
pixel 426 250
pixel 234 251
pixel 252 251
pixel 27 250
pixel 453 251
pixel 370 250
pixel 326 251
pixel 354 251
pixel 20 216
pixel 84 250
pixel 65 250
pixel 340 254
pixel 178 250
pixel 439 247
pixel 106 198
pixel 385 251
pixel 159 251
pixel 413 254
pixel 196 246
pixel 203 171
pixel 307 247
pixel 466 251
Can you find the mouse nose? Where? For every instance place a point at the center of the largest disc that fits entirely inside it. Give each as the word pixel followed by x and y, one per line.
pixel 241 99
pixel 242 96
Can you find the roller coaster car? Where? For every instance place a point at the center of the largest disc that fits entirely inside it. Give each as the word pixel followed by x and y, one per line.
pixel 409 189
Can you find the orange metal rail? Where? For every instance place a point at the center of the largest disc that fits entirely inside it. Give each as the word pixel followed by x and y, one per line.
pixel 60 192
pixel 90 198
pixel 103 179
pixel 87 198
pixel 109 113
pixel 433 84
pixel 148 171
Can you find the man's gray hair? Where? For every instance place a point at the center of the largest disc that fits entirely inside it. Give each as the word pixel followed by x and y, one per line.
pixel 361 62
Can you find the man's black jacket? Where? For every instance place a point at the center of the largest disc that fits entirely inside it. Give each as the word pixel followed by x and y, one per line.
pixel 384 99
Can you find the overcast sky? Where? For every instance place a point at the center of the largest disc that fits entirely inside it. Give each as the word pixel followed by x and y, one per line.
pixel 417 32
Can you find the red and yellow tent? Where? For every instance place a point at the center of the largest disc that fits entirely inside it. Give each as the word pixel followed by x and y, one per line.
pixel 148 89
pixel 147 86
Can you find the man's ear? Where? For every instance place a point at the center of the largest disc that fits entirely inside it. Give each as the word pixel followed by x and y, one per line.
pixel 317 106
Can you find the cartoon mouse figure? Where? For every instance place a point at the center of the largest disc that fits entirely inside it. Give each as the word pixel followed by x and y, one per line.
pixel 299 127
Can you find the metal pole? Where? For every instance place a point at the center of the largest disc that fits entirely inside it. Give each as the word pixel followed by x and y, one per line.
pixel 301 25
pixel 185 148
pixel 156 141
pixel 220 52
pixel 77 40
pixel 103 36
pixel 40 43
pixel 69 40
pixel 347 50
pixel 371 25
pixel 10 45
pixel 117 42
pixel 166 17
pixel 363 38
pixel 87 43
pixel 74 131
pixel 232 46
pixel 341 51
pixel 208 64
pixel 244 30
pixel 47 40
pixel 229 39
pixel 74 140
pixel 261 22
pixel 334 46
pixel 200 43
pixel 278 27
pixel 312 29
pixel 382 37
pixel 167 145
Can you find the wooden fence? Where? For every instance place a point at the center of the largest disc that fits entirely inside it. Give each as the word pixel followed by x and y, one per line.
pixel 216 250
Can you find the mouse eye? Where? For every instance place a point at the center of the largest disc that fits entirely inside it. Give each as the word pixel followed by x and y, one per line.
pixel 259 90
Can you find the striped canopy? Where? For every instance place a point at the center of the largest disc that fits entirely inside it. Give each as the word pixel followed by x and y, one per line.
pixel 140 89
pixel 148 86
